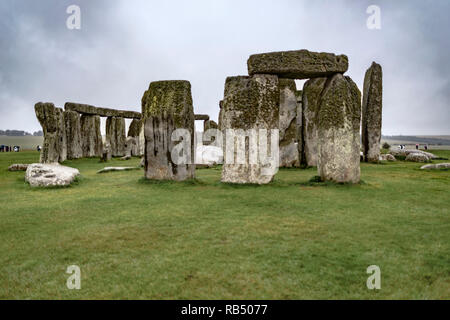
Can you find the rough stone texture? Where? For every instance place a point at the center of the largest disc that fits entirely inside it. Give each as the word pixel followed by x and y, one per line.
pixel 220 114
pixel 299 124
pixel 312 91
pixel 115 135
pixel 297 64
pixel 289 156
pixel 46 175
pixel 134 143
pixel 372 113
pixel 403 153
pixel 209 124
pixel 18 167
pixel 437 166
pixel 51 120
pixel 166 106
pixel 92 144
pixel 73 134
pixel 417 157
pixel 103 112
pixel 249 103
pixel 387 157
pixel 203 117
pixel 339 119
pixel 61 134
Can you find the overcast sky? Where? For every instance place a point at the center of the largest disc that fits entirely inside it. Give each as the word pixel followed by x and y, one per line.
pixel 124 45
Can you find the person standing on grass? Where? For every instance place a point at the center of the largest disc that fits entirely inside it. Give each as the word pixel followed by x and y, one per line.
pixel 417 146
pixel 426 147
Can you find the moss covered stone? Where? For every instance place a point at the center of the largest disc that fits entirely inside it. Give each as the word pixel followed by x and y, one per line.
pixel 167 106
pixel 73 134
pixel 297 64
pixel 289 156
pixel 372 112
pixel 92 145
pixel 338 126
pixel 249 103
pixel 312 91
pixel 54 148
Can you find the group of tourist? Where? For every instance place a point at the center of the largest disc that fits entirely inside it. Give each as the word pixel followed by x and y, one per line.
pixel 4 148
pixel 402 146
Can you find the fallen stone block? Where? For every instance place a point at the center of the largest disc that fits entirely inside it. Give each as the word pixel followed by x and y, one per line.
pixel 51 174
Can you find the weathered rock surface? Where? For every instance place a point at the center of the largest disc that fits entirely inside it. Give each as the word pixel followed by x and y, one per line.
pixel 417 157
pixel 18 167
pixel 220 114
pixel 338 131
pixel 209 155
pixel 312 91
pixel 103 112
pixel 51 120
pixel 135 142
pixel 249 103
pixel 289 156
pixel 110 169
pixel 209 124
pixel 297 64
pixel 437 166
pixel 372 113
pixel 167 106
pixel 299 124
pixel 73 134
pixel 52 174
pixel 92 144
pixel 115 135
pixel 203 117
pixel 387 157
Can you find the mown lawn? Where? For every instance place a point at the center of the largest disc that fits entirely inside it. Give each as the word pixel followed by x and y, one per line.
pixel 206 240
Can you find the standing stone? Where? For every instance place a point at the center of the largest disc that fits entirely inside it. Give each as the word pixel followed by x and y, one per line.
pixel 297 64
pixel 133 139
pixel 115 135
pixel 220 114
pixel 339 119
pixel 299 124
pixel 167 106
pixel 372 113
pixel 312 91
pixel 49 118
pixel 73 134
pixel 61 134
pixel 209 124
pixel 289 156
pixel 249 103
pixel 120 136
pixel 111 139
pixel 91 137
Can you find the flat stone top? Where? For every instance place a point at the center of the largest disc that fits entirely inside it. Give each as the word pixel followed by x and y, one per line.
pixel 103 112
pixel 297 64
pixel 203 117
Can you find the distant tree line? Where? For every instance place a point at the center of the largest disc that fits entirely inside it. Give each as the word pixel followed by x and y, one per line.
pixel 20 133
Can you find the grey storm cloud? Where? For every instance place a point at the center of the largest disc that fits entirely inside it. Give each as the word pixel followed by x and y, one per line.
pixel 124 45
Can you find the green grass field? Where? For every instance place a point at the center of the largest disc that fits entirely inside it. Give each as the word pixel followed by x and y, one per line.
pixel 205 240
